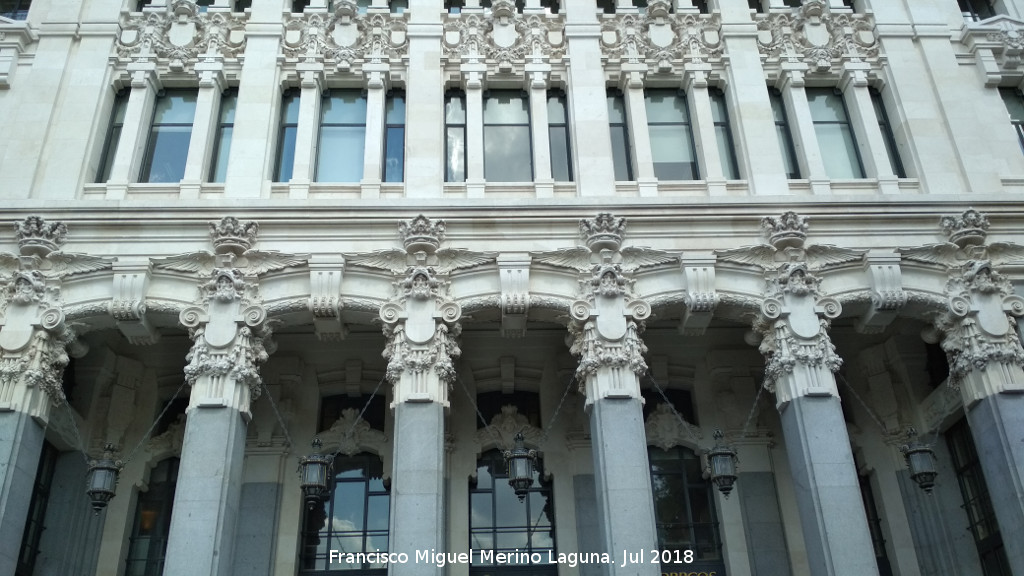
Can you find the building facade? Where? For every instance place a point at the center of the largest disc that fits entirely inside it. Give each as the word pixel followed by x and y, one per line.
pixel 416 229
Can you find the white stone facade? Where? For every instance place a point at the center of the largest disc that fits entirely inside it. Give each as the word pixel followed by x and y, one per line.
pixel 843 266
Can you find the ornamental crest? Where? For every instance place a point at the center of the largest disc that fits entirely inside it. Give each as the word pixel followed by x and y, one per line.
pixel 181 35
pixel 504 427
pixel 504 38
pixel 786 238
pixel 812 34
pixel 351 434
pixel 345 37
pixel 666 429
pixel 660 38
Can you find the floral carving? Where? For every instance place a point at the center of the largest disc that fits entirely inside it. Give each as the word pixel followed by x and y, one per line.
pixel 666 429
pixel 180 36
pixel 504 427
pixel 350 434
pixel 345 39
pixel 660 38
pixel 504 38
pixel 814 35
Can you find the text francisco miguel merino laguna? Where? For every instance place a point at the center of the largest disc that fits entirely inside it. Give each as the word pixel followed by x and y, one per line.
pixel 515 557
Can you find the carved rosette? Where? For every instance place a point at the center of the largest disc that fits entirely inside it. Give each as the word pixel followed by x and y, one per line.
pixel 504 39
pixel 813 35
pixel 346 39
pixel 661 40
pixel 793 325
pixel 180 36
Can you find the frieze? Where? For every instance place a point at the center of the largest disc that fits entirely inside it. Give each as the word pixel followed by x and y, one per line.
pixel 504 39
pixel 346 38
pixel 660 39
pixel 814 35
pixel 181 36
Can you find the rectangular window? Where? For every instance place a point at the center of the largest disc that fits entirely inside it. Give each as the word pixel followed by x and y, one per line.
pixel 342 137
pixel 835 135
pixel 222 139
pixel 784 135
pixel 286 137
pixel 887 135
pixel 15 9
pixel 169 136
pixel 204 4
pixel 113 136
pixel 723 134
pixel 394 138
pixel 756 6
pixel 508 156
pixel 974 10
pixel 1015 108
pixel 455 137
pixel 558 137
pixel 621 157
pixel 672 147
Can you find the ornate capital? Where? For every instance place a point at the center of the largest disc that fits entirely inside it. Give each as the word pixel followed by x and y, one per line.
pixel 37 237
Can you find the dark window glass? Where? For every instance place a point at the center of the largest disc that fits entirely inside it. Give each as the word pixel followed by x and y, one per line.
pixel 37 511
pixel 835 135
pixel 113 136
pixel 147 547
pixel 334 407
pixel 394 138
pixel 398 6
pixel 756 5
pixel 621 157
pixel 499 521
pixel 169 136
pixel 286 137
pixel 792 3
pixel 702 6
pixel 1015 108
pixel 242 5
pixel 875 527
pixel 977 503
pixel 455 137
pixel 606 6
pixel 454 6
pixel 976 9
pixel 684 509
pixel 672 146
pixel 887 135
pixel 785 136
pixel 491 404
pixel 342 137
pixel 681 400
pixel 558 137
pixel 222 139
pixel 299 5
pixel 15 9
pixel 204 4
pixel 508 156
pixel 723 134
pixel 355 519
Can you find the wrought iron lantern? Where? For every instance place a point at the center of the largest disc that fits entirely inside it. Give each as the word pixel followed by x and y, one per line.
pixel 722 465
pixel 521 464
pixel 101 479
pixel 920 460
pixel 314 472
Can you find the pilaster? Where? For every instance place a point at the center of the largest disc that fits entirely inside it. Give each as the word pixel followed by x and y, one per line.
pixel 137 116
pixel 805 141
pixel 695 83
pixel 866 129
pixel 204 128
pixel 538 83
pixel 588 108
pixel 376 90
pixel 632 86
pixel 308 128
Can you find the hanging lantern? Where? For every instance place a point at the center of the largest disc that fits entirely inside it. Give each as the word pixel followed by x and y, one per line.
pixel 101 479
pixel 521 464
pixel 722 465
pixel 920 460
pixel 314 471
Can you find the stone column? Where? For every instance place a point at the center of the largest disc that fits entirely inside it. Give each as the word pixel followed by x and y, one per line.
pixel 631 82
pixel 424 164
pixel 986 364
pixel 702 124
pixel 543 182
pixel 605 330
pixel 204 128
pixel 137 117
pixel 805 140
pixel 800 360
pixel 473 76
pixel 865 127
pixel 307 131
pixel 230 342
pixel 373 148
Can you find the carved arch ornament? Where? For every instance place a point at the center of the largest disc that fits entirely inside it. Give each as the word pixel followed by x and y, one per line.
pixel 661 40
pixel 345 38
pixel 504 40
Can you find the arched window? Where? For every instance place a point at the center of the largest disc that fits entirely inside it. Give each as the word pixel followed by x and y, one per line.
pixel 148 544
pixel 500 524
pixel 354 520
pixel 684 509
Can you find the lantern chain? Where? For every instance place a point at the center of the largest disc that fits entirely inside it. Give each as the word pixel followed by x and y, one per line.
pixel 864 404
pixel 74 428
pixel 155 422
pixel 365 406
pixel 266 392
pixel 494 437
pixel 753 408
pixel 551 422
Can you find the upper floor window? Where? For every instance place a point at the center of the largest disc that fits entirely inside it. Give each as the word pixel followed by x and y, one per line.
pixel 394 137
pixel 169 136
pixel 621 157
pixel 222 138
pixel 113 135
pixel 723 134
pixel 455 137
pixel 355 519
pixel 147 547
pixel 784 134
pixel 204 4
pixel 974 10
pixel 887 134
pixel 285 161
pixel 558 137
pixel 499 522
pixel 508 156
pixel 342 137
pixel 672 147
pixel 684 507
pixel 1015 107
pixel 835 135
pixel 15 9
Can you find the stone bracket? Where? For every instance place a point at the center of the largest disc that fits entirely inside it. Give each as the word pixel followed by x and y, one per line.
pixel 701 297
pixel 325 276
pixel 887 295
pixel 514 271
pixel 128 306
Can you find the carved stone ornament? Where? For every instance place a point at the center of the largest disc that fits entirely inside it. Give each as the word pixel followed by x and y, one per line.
pixel 666 430
pixel 967 233
pixel 181 36
pixel 504 39
pixel 169 443
pixel 813 35
pixel 232 241
pixel 350 434
pixel 346 39
pixel 501 432
pixel 660 39
pixel 421 238
pixel 786 237
pixel 998 47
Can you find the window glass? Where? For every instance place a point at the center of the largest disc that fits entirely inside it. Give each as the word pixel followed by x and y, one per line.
pixel 342 137
pixel 621 157
pixel 723 135
pixel 558 138
pixel 784 135
pixel 113 136
pixel 1015 108
pixel 887 135
pixel 394 138
pixel 169 136
pixel 508 155
pixel 34 522
pixel 286 139
pixel 15 9
pixel 148 544
pixel 222 140
pixel 684 508
pixel 835 135
pixel 455 137
pixel 672 147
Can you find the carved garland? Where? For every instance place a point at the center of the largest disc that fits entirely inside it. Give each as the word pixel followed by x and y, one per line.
pixel 814 35
pixel 180 36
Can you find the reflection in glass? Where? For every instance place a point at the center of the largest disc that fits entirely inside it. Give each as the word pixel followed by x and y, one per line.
pixel 835 135
pixel 169 136
pixel 455 137
pixel 684 508
pixel 508 156
pixel 342 137
pixel 672 147
pixel 286 137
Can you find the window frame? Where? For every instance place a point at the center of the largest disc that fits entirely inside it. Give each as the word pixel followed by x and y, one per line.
pixel 723 131
pixel 784 133
pixel 449 175
pixel 389 125
pixel 162 495
pixel 524 99
pixel 856 162
pixel 563 127
pixel 685 125
pixel 35 520
pixel 615 97
pixel 218 138
pixel 358 159
pixel 113 138
pixel 281 168
pixel 149 157
pixel 19 11
pixel 683 455
pixel 888 136
pixel 1008 94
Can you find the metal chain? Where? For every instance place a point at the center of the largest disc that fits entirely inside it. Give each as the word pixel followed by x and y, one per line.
pixel 497 441
pixel 266 392
pixel 155 422
pixel 365 406
pixel 753 408
pixel 551 422
pixel 864 404
pixel 74 428
pixel 667 401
